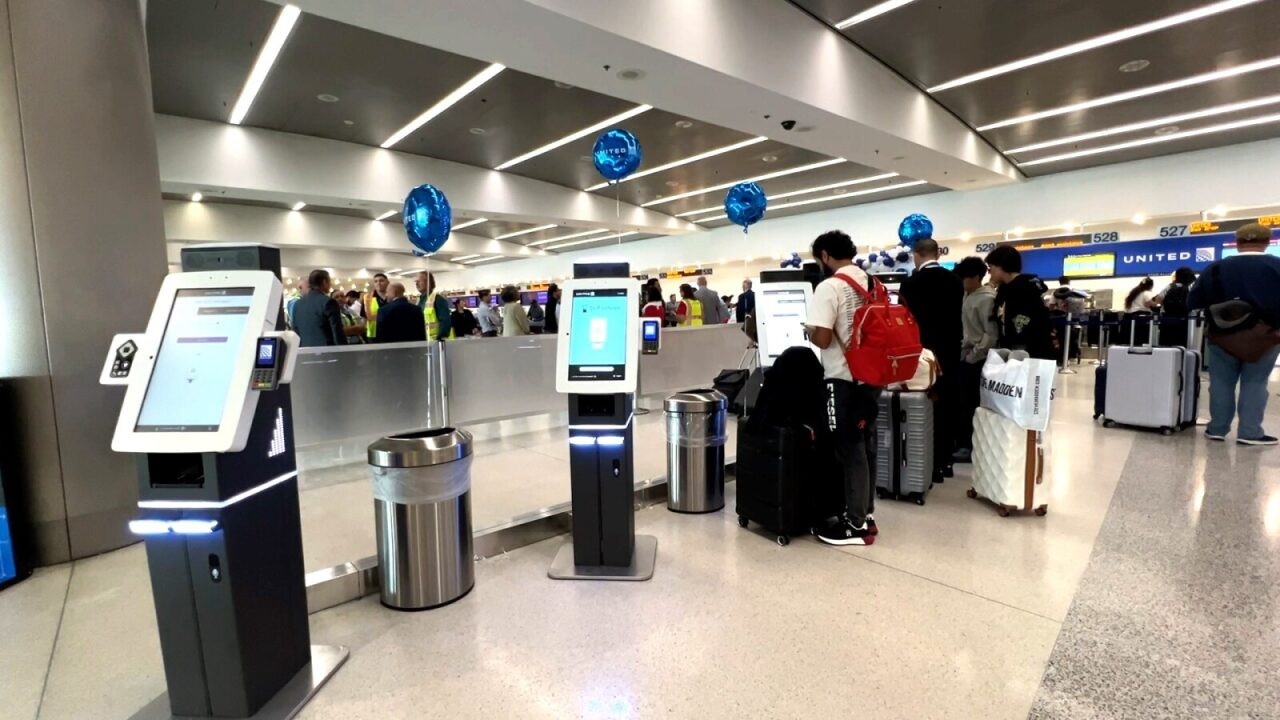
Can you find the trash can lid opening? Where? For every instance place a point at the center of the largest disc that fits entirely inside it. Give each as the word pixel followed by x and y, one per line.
pixel 420 448
pixel 702 400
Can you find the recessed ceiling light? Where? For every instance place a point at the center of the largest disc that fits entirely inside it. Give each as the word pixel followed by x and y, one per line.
pixel 470 223
pixel 579 134
pixel 657 197
pixel 965 236
pixel 284 24
pixel 1138 93
pixel 585 158
pixel 756 178
pixel 899 157
pixel 871 12
pixel 298 206
pixel 769 158
pixel 630 74
pixel 1068 227
pixel 1166 130
pixel 820 188
pixel 684 161
pixel 1223 127
pixel 1134 66
pixel 563 85
pixel 348 122
pixel 1138 219
pixel 326 97
pixel 477 131
pixel 1018 231
pixel 1219 210
pixel 445 103
pixel 827 198
pixel 839 191
pixel 1153 123
pixel 684 124
pixel 197 196
pixel 672 183
pixel 1097 42
pixel 518 233
pixel 386 214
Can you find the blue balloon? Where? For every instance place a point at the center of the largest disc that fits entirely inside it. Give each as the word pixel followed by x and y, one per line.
pixel 745 204
pixel 903 256
pixel 616 154
pixel 427 218
pixel 889 262
pixel 861 262
pixel 913 228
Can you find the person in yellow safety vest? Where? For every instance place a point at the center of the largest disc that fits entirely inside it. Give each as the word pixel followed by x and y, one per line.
pixel 689 311
pixel 373 301
pixel 434 308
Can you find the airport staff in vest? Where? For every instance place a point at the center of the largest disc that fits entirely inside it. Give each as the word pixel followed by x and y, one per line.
pixel 375 300
pixel 689 311
pixel 434 307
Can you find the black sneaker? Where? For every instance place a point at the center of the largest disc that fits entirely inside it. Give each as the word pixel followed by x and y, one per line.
pixel 963 455
pixel 1264 440
pixel 871 523
pixel 843 533
pixel 948 471
pixel 1215 437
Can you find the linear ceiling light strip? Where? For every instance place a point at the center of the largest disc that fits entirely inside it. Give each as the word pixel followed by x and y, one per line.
pixel 872 12
pixel 757 178
pixel 829 198
pixel 484 259
pixel 804 191
pixel 518 233
pixel 591 240
pixel 1138 93
pixel 1096 42
pixel 280 31
pixel 567 237
pixel 580 134
pixel 469 223
pixel 463 258
pixel 1148 124
pixel 445 103
pixel 1212 129
pixel 692 159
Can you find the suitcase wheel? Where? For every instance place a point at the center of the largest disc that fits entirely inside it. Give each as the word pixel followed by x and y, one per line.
pixel 971 493
pixel 783 540
pixel 1108 423
pixel 1166 431
pixel 920 499
pixel 1002 511
pixel 742 521
pixel 1042 510
pixel 881 493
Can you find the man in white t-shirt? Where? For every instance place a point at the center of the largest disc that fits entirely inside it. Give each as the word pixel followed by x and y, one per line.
pixel 851 406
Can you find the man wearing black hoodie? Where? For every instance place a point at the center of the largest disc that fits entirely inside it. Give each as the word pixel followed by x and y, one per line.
pixel 1024 319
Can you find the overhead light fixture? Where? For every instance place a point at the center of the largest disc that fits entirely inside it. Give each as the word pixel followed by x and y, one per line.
pixel 464 257
pixel 284 24
pixel 1018 231
pixel 1138 219
pixel 197 196
pixel 793 193
pixel 470 223
pixel 568 237
pixel 386 215
pixel 872 12
pixel 1096 42
pixel 328 98
pixel 1138 93
pixel 965 236
pixel 1166 121
pixel 828 198
pixel 1219 210
pixel 518 233
pixel 579 134
pixel 677 163
pixel 298 206
pixel 483 259
pixel 1223 127
pixel 591 240
pixel 757 178
pixel 447 102
pixel 1068 227
pixel 1134 66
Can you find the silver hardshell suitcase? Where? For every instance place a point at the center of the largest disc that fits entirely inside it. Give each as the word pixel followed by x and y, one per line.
pixel 904 445
pixel 1152 387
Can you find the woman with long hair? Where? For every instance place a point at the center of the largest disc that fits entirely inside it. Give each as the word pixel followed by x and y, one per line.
pixel 1140 298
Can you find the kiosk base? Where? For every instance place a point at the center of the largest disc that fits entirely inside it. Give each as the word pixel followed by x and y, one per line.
pixel 643 559
pixel 288 702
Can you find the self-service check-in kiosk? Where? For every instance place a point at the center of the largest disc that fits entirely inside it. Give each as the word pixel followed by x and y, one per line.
pixel 207 411
pixel 597 365
pixel 782 304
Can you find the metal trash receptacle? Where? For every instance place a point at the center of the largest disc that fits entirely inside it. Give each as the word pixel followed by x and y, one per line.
pixel 422 512
pixel 695 422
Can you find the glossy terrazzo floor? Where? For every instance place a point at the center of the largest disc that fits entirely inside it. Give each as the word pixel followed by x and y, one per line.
pixel 1149 591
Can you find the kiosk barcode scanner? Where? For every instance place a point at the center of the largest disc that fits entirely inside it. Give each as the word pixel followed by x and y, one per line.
pixel 597 361
pixel 207 410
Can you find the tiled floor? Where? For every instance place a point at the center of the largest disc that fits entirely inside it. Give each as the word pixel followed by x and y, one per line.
pixel 1147 592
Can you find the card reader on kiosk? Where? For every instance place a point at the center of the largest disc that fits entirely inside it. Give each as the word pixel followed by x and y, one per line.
pixel 650 336
pixel 597 366
pixel 208 412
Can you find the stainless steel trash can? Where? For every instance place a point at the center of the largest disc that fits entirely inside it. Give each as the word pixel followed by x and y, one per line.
pixel 695 451
pixel 422 512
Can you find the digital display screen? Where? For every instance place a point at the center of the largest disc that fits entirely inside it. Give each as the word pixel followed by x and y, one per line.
pixel 266 353
pixel 650 330
pixel 193 369
pixel 598 335
pixel 542 297
pixel 8 561
pixel 472 301
pixel 1095 265
pixel 783 312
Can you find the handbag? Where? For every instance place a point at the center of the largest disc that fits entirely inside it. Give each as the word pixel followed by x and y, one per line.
pixel 1235 325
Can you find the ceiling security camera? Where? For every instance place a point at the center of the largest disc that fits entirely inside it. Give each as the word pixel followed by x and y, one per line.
pixel 788 124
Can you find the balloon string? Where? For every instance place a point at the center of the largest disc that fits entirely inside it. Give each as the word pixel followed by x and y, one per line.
pixel 617 208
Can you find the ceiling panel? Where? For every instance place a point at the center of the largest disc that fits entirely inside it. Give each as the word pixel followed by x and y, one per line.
pixel 201 52
pixel 839 203
pixel 799 181
pixel 834 11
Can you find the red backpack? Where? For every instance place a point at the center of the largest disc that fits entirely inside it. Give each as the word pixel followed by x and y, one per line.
pixel 884 343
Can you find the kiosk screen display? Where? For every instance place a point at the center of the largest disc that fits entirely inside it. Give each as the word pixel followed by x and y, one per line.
pixel 784 313
pixel 598 335
pixel 192 374
pixel 8 563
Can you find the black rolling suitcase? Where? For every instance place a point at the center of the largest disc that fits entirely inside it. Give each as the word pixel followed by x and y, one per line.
pixel 775 466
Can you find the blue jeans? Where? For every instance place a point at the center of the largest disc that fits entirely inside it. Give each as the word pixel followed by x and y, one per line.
pixel 1225 372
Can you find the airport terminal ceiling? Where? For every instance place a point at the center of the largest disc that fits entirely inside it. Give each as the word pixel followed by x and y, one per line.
pixel 1196 74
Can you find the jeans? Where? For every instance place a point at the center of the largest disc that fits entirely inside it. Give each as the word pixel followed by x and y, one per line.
pixel 1225 372
pixel 851 420
pixel 969 396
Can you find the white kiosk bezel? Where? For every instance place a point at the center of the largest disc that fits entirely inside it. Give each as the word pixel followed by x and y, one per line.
pixel 765 320
pixel 631 366
pixel 241 401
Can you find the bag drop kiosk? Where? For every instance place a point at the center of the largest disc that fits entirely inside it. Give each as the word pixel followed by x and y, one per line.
pixel 597 365
pixel 207 411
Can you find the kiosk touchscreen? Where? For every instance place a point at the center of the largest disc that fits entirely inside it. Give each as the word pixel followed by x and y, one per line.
pixel 781 309
pixel 599 346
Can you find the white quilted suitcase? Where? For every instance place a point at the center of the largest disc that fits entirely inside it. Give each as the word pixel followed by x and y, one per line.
pixel 1008 463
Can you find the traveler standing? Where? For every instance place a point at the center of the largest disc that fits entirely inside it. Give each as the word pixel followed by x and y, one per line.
pixel 316 316
pixel 1020 311
pixel 851 406
pixel 1252 276
pixel 515 322
pixel 746 302
pixel 653 305
pixel 435 308
pixel 935 296
pixel 552 324
pixel 714 311
pixel 487 314
pixel 400 320
pixel 689 311
pixel 673 307
pixel 537 317
pixel 1175 308
pixel 980 335
pixel 373 302
pixel 464 323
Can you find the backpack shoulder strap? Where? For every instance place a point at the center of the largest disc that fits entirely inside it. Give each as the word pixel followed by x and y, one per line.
pixel 867 297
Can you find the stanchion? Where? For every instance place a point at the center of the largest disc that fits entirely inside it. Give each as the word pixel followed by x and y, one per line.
pixel 1065 368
